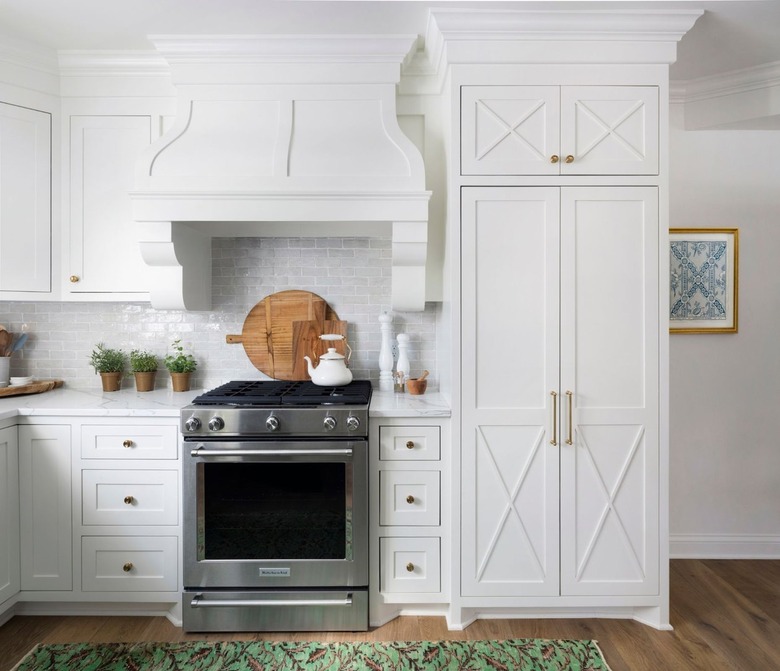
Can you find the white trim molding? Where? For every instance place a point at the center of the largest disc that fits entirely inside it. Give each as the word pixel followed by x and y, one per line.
pixel 747 99
pixel 725 546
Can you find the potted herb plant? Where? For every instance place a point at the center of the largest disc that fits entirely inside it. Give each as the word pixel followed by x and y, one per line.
pixel 110 363
pixel 180 365
pixel 144 367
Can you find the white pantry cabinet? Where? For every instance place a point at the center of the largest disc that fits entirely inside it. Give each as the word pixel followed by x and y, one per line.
pixel 560 461
pixel 9 513
pixel 25 200
pixel 103 257
pixel 559 130
pixel 45 507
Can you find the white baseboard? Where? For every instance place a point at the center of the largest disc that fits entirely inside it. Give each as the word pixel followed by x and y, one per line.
pixel 724 546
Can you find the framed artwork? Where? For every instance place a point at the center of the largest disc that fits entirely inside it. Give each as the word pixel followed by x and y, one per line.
pixel 703 280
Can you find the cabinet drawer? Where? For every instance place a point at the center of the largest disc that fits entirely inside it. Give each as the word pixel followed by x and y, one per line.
pixel 129 564
pixel 130 497
pixel 409 443
pixel 130 441
pixel 409 565
pixel 409 498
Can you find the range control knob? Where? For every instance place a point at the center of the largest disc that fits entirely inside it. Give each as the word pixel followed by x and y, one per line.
pixel 272 423
pixel 329 423
pixel 192 424
pixel 216 424
pixel 353 423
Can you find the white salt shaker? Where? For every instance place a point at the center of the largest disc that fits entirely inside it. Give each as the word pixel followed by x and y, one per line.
pixel 403 367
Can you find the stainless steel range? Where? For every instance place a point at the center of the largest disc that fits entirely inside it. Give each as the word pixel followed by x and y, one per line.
pixel 276 507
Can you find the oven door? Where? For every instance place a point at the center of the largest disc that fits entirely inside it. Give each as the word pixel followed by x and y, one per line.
pixel 275 514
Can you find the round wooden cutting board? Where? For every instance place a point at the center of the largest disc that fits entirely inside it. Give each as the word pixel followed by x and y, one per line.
pixel 284 327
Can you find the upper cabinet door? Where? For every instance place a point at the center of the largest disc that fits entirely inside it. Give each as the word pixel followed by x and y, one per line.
pixel 25 199
pixel 509 130
pixel 104 255
pixel 609 130
pixel 567 130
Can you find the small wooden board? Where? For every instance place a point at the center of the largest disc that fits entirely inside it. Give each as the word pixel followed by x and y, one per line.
pixel 267 334
pixel 32 388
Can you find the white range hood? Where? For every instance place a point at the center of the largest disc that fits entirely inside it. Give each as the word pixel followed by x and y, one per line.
pixel 280 135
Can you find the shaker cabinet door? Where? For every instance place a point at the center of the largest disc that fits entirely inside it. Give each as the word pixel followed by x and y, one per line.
pixel 25 200
pixel 9 513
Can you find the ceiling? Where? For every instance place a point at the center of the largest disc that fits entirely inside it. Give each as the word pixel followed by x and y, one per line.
pixel 732 35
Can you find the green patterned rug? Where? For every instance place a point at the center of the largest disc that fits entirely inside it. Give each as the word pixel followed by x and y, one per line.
pixel 512 655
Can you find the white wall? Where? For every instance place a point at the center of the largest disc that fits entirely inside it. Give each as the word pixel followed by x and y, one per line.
pixel 725 389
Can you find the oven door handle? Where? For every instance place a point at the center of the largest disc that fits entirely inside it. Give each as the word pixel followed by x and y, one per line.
pixel 200 452
pixel 199 602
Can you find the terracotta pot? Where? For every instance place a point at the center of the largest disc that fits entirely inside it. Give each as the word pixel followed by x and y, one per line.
pixel 111 381
pixel 145 381
pixel 181 381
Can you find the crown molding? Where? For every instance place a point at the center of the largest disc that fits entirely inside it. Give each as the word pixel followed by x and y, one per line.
pixel 734 82
pixel 27 55
pixel 77 63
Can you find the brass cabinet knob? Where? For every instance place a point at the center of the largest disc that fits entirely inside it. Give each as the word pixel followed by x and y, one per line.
pixel 409 444
pixel 129 500
pixel 554 158
pixel 570 159
pixel 127 567
pixel 127 443
pixel 410 567
pixel 74 278
pixel 410 499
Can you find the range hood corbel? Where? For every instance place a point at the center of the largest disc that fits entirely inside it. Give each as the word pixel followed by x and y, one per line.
pixel 275 130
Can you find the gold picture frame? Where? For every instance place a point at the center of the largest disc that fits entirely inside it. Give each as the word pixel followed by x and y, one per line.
pixel 703 280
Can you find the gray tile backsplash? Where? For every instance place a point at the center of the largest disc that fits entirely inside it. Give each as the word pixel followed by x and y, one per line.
pixel 352 274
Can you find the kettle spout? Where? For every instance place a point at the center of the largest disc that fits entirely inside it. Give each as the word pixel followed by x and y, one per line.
pixel 309 367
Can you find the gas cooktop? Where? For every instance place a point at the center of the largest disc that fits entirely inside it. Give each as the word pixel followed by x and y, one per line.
pixel 267 393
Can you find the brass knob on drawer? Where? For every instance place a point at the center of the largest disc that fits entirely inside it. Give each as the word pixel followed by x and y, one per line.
pixel 409 444
pixel 129 500
pixel 74 278
pixel 554 158
pixel 570 159
pixel 410 567
pixel 410 499
pixel 127 443
pixel 127 567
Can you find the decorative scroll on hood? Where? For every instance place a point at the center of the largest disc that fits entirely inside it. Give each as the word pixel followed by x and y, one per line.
pixel 281 135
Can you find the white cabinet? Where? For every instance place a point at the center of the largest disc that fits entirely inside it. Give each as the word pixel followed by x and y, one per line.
pixel 9 514
pixel 25 200
pixel 560 383
pixel 129 528
pixel 566 130
pixel 103 258
pixel 409 514
pixel 45 507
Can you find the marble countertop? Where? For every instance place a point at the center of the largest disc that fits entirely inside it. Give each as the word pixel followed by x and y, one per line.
pixel 66 402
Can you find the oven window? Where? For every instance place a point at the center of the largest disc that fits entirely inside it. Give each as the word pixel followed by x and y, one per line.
pixel 275 511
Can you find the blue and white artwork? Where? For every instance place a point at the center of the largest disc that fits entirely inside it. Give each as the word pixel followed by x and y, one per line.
pixel 699 280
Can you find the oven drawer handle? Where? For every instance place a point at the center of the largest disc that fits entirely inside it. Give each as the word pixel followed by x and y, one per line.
pixel 270 453
pixel 199 602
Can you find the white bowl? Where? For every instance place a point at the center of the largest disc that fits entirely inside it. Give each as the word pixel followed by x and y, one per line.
pixel 20 381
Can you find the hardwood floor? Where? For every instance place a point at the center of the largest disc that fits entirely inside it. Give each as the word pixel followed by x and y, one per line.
pixel 725 614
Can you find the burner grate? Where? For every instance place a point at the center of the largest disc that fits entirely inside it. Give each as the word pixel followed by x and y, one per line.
pixel 272 393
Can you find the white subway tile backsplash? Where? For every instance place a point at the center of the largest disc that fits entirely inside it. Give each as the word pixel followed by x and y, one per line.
pixel 352 274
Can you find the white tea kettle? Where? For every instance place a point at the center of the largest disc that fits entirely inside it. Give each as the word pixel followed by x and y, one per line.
pixel 332 370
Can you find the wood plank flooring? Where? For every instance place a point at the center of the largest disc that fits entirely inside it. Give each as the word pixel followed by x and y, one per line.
pixel 725 614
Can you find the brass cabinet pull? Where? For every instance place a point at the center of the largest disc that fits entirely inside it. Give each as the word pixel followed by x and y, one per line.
pixel 570 396
pixel 554 440
pixel 74 278
pixel 127 443
pixel 129 500
pixel 127 567
pixel 410 567
pixel 410 499
pixel 555 158
pixel 409 444
pixel 569 159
